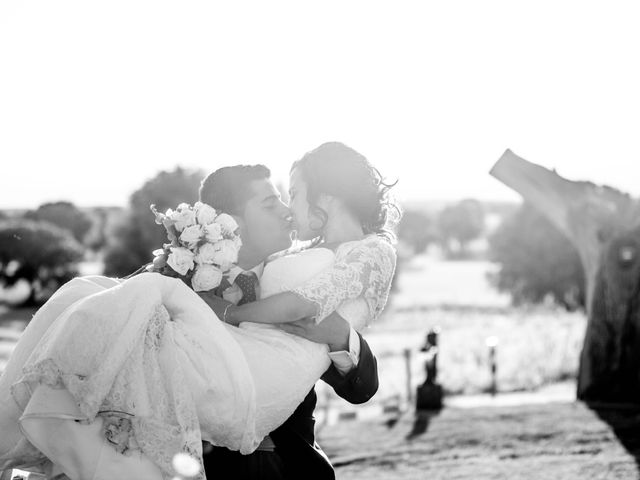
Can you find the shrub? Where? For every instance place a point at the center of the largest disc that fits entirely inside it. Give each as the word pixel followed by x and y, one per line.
pixel 459 224
pixel 416 229
pixel 536 261
pixel 39 252
pixel 65 215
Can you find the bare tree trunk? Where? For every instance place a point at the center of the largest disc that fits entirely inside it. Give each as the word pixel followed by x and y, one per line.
pixel 600 222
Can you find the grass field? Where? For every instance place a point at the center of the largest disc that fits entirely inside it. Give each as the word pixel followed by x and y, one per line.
pixel 564 441
pixel 537 344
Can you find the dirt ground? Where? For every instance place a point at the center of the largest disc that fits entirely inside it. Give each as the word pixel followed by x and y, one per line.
pixel 564 441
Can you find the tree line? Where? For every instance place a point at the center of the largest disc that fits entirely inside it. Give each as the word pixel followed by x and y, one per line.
pixel 44 246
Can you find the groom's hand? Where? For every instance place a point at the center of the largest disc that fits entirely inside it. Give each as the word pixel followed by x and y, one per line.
pixel 333 330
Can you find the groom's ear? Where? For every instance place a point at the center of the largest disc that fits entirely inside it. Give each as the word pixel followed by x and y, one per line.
pixel 325 201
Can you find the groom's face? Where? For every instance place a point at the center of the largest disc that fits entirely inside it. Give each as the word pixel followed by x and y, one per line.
pixel 266 220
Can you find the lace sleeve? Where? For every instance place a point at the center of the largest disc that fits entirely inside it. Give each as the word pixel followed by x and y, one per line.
pixel 363 268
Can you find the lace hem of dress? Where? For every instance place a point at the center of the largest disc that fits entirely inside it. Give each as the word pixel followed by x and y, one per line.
pixel 117 428
pixel 170 424
pixel 157 439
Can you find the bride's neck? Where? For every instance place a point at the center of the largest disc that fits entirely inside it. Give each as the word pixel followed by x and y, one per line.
pixel 342 227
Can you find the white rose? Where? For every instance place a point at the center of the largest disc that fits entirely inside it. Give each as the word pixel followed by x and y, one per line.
pixel 226 254
pixel 206 254
pixel 181 260
pixel 232 294
pixel 183 218
pixel 205 214
pixel 213 232
pixel 191 235
pixel 205 278
pixel 227 223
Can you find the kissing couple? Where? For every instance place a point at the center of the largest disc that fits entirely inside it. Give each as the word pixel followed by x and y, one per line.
pixel 118 378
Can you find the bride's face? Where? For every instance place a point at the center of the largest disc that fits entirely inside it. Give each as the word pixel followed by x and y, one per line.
pixel 299 207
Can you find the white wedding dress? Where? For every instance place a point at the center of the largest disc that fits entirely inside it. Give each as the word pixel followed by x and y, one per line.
pixel 112 378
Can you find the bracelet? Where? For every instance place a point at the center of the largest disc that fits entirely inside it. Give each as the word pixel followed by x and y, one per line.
pixel 224 314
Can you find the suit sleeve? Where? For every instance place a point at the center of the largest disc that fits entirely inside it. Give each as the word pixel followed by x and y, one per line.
pixel 361 383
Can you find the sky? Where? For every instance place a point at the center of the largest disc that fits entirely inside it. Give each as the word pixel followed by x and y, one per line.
pixel 97 97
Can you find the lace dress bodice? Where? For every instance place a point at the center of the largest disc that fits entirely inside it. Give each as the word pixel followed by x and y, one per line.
pixel 291 271
pixel 362 270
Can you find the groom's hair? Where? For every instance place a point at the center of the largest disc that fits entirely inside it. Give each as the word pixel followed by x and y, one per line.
pixel 228 188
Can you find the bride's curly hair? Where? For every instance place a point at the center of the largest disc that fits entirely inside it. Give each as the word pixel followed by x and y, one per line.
pixel 338 170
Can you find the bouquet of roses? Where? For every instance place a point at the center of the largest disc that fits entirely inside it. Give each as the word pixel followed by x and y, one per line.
pixel 203 245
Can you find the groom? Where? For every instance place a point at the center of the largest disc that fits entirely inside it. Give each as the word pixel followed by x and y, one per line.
pixel 290 452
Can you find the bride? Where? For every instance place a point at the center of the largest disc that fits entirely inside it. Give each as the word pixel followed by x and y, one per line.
pixel 145 367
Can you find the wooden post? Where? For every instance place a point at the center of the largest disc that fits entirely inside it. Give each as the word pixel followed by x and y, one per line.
pixel 407 362
pixel 492 343
pixel 604 226
pixel 429 395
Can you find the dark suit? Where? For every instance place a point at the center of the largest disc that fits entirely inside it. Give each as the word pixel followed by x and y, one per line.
pixel 297 455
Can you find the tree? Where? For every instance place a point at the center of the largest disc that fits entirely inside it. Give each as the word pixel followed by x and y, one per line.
pixel 138 235
pixel 416 230
pixel 65 215
pixel 41 253
pixel 103 219
pixel 459 224
pixel 536 261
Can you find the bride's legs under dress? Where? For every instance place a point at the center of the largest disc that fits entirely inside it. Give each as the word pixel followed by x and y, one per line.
pixel 80 450
pixel 151 348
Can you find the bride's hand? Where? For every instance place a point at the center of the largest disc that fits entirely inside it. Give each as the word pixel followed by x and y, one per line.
pixel 217 304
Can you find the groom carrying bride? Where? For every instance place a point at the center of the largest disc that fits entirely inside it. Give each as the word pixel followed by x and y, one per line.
pixel 113 377
pixel 289 452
